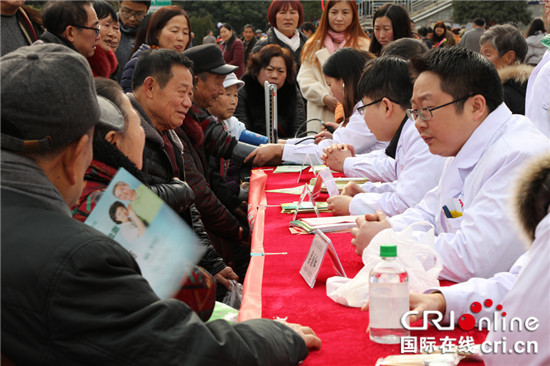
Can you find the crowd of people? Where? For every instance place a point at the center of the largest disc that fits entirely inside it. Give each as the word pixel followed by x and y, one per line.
pixel 434 120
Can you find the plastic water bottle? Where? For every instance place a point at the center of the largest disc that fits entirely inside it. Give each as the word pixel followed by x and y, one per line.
pixel 388 298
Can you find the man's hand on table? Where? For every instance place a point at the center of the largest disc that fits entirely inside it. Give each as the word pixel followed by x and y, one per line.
pixel 335 155
pixel 225 275
pixel 368 226
pixel 339 205
pixel 308 335
pixel 269 154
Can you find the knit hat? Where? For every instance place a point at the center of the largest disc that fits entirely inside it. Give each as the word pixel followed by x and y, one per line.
pixel 208 57
pixel 48 98
pixel 231 79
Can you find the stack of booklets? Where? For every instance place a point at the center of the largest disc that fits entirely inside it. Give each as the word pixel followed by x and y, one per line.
pixel 305 207
pixel 328 224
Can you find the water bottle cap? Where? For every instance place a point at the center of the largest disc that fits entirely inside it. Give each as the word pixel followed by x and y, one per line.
pixel 388 250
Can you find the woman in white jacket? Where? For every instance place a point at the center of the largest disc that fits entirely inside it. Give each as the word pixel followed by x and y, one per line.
pixel 339 27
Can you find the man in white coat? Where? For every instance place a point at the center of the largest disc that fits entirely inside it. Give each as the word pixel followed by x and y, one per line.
pixel 459 111
pixel 406 166
pixel 523 292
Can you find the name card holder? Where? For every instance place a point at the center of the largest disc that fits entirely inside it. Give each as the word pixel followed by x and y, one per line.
pixel 307 161
pixel 319 246
pixel 306 192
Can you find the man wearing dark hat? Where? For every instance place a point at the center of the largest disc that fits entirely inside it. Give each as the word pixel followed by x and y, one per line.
pixel 71 295
pixel 206 144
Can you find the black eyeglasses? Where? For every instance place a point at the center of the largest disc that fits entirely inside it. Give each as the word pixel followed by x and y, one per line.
pixel 361 109
pixel 94 29
pixel 425 114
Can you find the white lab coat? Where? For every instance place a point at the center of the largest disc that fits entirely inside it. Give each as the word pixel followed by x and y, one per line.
pixel 537 96
pixel 523 292
pixel 482 242
pixel 529 297
pixel 355 133
pixel 415 171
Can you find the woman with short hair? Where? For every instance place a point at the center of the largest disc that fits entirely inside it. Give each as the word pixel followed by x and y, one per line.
pixel 274 64
pixel 506 48
pixel 285 16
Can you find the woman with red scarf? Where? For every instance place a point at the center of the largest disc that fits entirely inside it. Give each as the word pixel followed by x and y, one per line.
pixel 103 62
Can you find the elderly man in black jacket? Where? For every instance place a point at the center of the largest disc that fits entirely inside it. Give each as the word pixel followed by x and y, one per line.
pixel 163 86
pixel 71 295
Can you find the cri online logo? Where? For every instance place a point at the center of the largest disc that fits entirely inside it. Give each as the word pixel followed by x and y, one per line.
pixel 468 322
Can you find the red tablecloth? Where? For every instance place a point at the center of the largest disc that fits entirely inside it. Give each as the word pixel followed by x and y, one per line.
pixel 274 287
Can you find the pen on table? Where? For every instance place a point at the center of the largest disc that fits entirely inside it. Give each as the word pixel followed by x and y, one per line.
pixel 263 254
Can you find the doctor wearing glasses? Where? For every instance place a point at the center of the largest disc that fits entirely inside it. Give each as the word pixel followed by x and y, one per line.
pixel 458 109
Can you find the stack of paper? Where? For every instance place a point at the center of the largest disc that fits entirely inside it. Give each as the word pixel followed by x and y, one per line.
pixel 325 224
pixel 304 207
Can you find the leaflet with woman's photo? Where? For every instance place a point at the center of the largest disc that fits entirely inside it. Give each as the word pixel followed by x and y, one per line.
pixel 160 241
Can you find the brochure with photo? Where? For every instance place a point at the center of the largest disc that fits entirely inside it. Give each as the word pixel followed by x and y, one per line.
pixel 160 241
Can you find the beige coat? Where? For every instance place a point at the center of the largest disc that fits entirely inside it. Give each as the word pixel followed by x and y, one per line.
pixel 314 87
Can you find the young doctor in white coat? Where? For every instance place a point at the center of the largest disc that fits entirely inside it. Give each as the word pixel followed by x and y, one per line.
pixel 406 166
pixel 459 112
pixel 523 291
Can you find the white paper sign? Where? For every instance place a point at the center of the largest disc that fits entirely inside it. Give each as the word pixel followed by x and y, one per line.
pixel 314 259
pixel 328 179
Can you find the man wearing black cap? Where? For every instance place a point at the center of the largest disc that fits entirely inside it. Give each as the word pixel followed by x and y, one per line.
pixel 71 295
pixel 206 142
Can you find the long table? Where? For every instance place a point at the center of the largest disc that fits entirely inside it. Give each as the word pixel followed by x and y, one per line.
pixel 274 288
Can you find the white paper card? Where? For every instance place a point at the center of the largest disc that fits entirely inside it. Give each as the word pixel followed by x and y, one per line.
pixel 328 179
pixel 312 263
pixel 319 246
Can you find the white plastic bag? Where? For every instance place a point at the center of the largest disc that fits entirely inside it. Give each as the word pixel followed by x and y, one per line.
pixel 234 297
pixel 419 258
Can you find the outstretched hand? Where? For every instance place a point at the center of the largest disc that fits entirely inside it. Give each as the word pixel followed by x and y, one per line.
pixel 269 154
pixel 225 275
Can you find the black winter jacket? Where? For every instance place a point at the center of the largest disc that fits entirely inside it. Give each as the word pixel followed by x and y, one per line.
pixel 73 296
pixel 157 170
